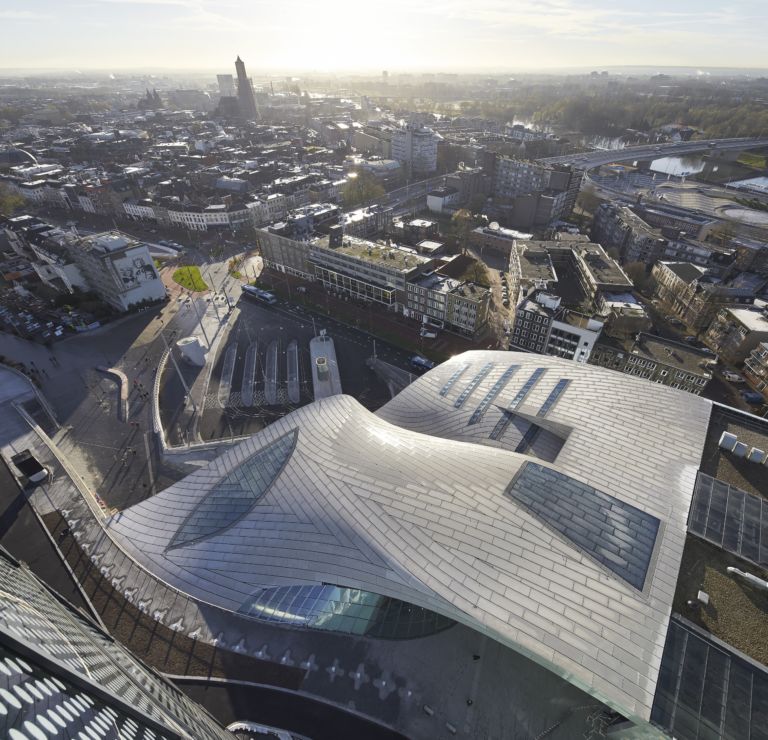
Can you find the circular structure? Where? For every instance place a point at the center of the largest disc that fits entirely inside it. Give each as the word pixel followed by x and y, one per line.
pixel 13 157
pixel 744 215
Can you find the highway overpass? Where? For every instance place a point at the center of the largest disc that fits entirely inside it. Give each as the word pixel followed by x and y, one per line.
pixel 588 160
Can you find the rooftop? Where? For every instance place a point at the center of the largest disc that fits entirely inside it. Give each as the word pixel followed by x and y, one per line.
pixel 535 263
pixel 686 271
pixel 724 466
pixel 393 257
pixel 110 241
pixel 603 268
pixel 754 319
pixel 358 499
pixel 665 351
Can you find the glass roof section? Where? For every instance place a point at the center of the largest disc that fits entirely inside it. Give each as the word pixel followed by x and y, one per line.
pixel 450 382
pixel 730 518
pixel 236 494
pixel 556 392
pixel 494 391
pixel 614 533
pixel 464 395
pixel 706 690
pixel 506 418
pixel 342 609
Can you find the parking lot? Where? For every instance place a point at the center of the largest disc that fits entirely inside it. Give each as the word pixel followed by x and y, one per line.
pixel 262 370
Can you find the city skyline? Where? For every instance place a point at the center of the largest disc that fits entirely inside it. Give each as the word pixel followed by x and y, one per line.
pixel 298 35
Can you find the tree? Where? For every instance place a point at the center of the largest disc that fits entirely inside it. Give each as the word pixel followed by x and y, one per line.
pixel 477 203
pixel 361 188
pixel 9 201
pixel 461 223
pixel 638 274
pixel 588 201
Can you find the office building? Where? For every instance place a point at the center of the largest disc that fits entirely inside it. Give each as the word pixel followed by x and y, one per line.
pixel 694 296
pixel 118 268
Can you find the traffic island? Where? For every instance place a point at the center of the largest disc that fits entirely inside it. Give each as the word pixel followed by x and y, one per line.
pixel 189 277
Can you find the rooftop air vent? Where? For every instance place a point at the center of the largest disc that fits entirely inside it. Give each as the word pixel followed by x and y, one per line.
pixel 727 441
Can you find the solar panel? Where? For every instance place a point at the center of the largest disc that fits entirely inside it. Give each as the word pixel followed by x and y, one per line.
pixel 449 383
pixel 616 534
pixel 494 391
pixel 707 691
pixel 556 392
pixel 730 518
pixel 501 426
pixel 733 515
pixel 750 531
pixel 464 395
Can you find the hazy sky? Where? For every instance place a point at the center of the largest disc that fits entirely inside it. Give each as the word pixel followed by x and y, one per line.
pixel 365 35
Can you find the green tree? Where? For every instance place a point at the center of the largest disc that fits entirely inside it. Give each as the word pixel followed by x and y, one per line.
pixel 361 188
pixel 638 274
pixel 9 201
pixel 461 224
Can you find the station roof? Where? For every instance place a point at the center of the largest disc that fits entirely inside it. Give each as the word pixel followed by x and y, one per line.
pixel 536 500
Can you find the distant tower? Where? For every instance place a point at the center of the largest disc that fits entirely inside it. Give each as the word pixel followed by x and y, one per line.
pixel 245 92
pixel 226 85
pixel 385 77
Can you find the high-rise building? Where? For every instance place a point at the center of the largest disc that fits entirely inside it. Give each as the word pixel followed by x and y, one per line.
pixel 226 85
pixel 245 92
pixel 415 146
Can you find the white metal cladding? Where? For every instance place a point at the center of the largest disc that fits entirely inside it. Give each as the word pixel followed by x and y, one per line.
pixel 410 503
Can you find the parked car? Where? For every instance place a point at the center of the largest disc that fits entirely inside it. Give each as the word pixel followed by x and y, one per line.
pixel 421 363
pixel 428 334
pixel 30 467
pixel 752 397
pixel 732 377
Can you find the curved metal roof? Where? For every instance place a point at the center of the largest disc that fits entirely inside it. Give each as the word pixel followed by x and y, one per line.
pixel 534 548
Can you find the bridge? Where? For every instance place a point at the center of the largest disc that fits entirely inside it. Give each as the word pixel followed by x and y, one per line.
pixel 588 160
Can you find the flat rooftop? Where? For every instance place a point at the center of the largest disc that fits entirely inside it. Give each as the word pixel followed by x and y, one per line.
pixel 535 264
pixel 393 257
pixel 111 241
pixel 664 351
pixel 754 319
pixel 604 269
pixel 750 429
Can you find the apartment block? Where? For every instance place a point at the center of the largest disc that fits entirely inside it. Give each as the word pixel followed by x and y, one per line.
pixel 656 359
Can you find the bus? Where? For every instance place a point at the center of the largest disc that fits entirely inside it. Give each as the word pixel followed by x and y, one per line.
pixel 259 295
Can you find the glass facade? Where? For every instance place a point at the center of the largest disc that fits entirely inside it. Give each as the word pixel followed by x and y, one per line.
pixel 346 610
pixel 61 676
pixel 235 494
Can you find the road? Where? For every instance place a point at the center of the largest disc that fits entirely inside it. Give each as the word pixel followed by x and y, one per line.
pixel 120 460
pixel 655 151
pixel 284 709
